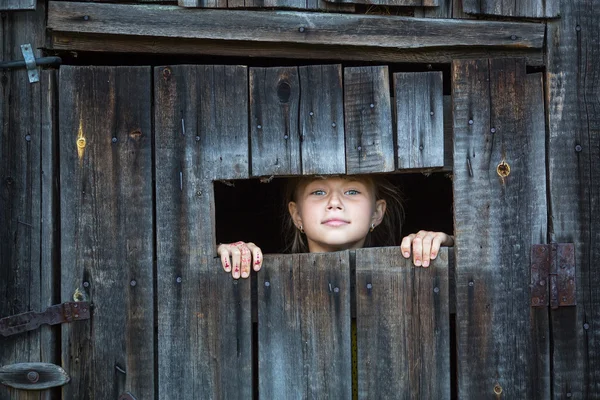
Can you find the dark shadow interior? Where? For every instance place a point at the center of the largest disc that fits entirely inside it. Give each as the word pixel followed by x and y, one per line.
pixel 252 211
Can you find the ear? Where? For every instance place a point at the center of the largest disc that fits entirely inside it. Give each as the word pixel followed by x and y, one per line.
pixel 295 213
pixel 380 206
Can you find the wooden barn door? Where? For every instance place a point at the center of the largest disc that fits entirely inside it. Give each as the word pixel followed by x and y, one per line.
pixel 138 234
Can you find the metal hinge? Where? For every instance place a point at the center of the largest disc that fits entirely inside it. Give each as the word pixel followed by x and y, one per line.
pixel 57 314
pixel 31 63
pixel 553 275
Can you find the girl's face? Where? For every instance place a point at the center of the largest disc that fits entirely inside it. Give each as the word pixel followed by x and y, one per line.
pixel 336 213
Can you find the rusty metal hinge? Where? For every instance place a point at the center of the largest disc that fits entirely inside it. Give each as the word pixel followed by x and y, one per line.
pixel 56 314
pixel 553 275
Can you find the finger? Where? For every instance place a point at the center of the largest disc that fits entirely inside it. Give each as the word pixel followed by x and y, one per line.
pixel 436 243
pixel 236 256
pixel 224 253
pixel 427 239
pixel 405 245
pixel 417 249
pixel 246 260
pixel 257 256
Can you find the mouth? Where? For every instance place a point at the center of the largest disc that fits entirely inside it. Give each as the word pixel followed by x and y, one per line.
pixel 335 222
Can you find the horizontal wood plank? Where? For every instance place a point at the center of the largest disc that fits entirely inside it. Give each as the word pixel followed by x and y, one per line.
pixel 289 27
pixel 512 8
pixel 394 3
pixel 403 326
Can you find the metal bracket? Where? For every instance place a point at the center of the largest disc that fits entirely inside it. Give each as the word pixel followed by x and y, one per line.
pixel 33 376
pixel 30 64
pixel 57 314
pixel 553 275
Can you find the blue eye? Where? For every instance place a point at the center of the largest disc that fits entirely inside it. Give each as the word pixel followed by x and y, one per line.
pixel 319 192
pixel 352 192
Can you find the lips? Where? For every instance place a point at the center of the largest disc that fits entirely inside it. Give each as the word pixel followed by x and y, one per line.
pixel 335 222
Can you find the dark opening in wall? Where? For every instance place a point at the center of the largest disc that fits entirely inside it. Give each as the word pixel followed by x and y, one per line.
pixel 252 211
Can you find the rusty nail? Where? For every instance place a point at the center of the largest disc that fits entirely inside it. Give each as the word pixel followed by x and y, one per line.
pixel 166 72
pixel 133 282
pixel 369 286
pixel 586 326
pixel 301 29
pixel 114 140
pixel 578 148
pixel 33 376
pixel 28 138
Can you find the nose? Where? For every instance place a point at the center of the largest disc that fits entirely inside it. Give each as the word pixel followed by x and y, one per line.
pixel 335 203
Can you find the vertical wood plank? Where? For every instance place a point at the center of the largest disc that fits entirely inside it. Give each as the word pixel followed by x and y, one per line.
pixel 403 326
pixel 368 120
pixel 420 119
pixel 14 5
pixel 322 120
pixel 572 83
pixel 304 326
pixel 204 326
pixel 28 197
pixel 394 3
pixel 274 103
pixel 511 8
pixel 502 344
pixel 106 229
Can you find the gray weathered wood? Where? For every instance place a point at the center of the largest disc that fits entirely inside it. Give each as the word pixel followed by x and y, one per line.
pixel 503 345
pixel 420 119
pixel 322 120
pixel 513 8
pixel 297 4
pixel 289 27
pixel 28 199
pixel 448 133
pixel 572 84
pixel 204 325
pixel 107 229
pixel 368 120
pixel 394 3
pixel 274 106
pixel 403 326
pixel 14 5
pixel 48 376
pixel 304 326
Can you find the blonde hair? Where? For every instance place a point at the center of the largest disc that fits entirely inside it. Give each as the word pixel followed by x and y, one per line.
pixel 386 234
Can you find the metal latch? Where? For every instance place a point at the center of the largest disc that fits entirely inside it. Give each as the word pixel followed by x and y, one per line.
pixel 553 275
pixel 33 376
pixel 31 63
pixel 56 314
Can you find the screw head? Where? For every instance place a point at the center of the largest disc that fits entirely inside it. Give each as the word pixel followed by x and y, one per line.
pixel 372 105
pixel 436 289
pixel 333 124
pixel 33 376
pixel 267 283
pixel 133 282
pixel 493 130
pixel 470 122
pixel 259 126
pixel 431 113
pixel 86 284
pixel 471 283
pixel 86 17
pixel 285 137
pixel 578 28
pixel 513 37
pixel 359 148
pixel 114 140
pixel 421 147
pixel 337 289
pixel 369 286
pixel 178 279
pixel 586 326
pixel 28 138
pixel 578 148
pixel 301 29
pixel 311 113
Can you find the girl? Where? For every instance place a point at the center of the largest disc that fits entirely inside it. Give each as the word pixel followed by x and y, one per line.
pixel 339 213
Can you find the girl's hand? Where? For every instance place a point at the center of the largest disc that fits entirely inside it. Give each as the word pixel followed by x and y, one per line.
pixel 425 246
pixel 237 257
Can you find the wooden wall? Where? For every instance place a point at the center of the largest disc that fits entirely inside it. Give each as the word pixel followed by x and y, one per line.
pixel 544 125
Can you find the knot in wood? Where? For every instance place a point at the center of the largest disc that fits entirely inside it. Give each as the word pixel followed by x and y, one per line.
pixel 503 169
pixel 284 91
pixel 81 143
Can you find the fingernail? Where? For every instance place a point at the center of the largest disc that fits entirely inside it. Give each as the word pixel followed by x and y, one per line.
pixel 426 263
pixel 406 254
pixel 433 256
pixel 418 263
pixel 244 274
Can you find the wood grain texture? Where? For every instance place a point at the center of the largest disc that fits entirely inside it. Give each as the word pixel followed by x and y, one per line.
pixel 290 27
pixel 368 120
pixel 394 3
pixel 502 342
pixel 204 326
pixel 304 326
pixel 274 107
pixel 403 326
pixel 321 118
pixel 513 8
pixel 291 4
pixel 15 5
pixel 419 119
pixel 107 229
pixel 28 197
pixel 161 45
pixel 49 376
pixel 572 83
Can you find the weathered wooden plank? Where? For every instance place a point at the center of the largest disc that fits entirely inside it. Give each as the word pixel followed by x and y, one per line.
pixel 572 83
pixel 289 27
pixel 274 107
pixel 368 120
pixel 394 3
pixel 28 198
pixel 304 326
pixel 106 229
pixel 420 119
pixel 204 325
pixel 14 5
pixel 403 326
pixel 502 342
pixel 448 133
pixel 322 120
pixel 512 8
pixel 295 4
